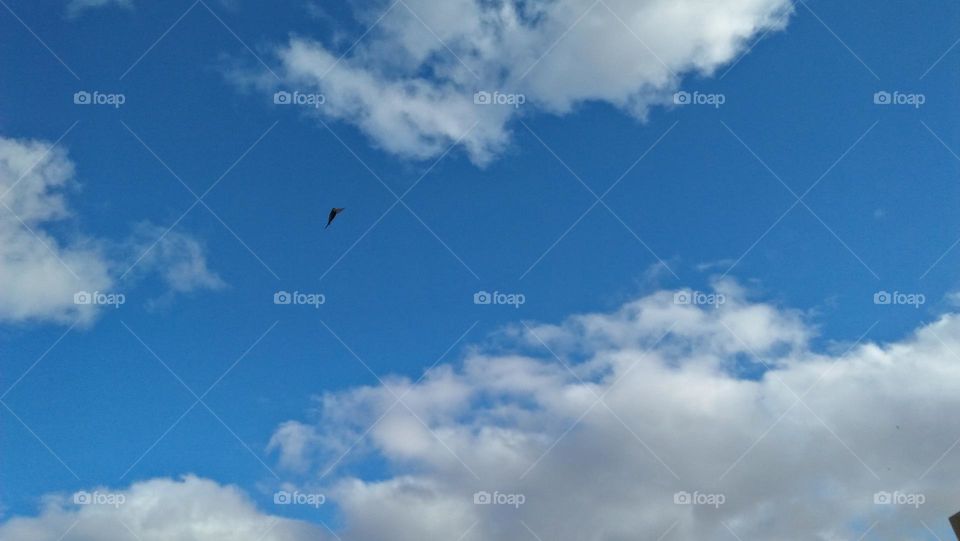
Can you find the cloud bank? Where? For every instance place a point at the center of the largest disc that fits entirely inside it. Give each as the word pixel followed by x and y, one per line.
pixel 726 403
pixel 656 419
pixel 409 82
pixel 40 271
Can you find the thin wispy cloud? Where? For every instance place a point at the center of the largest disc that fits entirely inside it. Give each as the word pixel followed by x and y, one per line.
pixel 77 7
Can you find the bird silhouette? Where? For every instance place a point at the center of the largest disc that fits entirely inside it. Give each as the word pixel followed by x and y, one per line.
pixel 333 214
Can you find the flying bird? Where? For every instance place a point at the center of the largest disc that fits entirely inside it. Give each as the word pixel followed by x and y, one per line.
pixel 333 214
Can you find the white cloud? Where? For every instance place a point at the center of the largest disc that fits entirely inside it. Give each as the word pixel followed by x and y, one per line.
pixel 409 83
pixel 684 418
pixel 75 7
pixel 40 272
pixel 177 257
pixel 190 509
pixel 292 440
pixel 679 416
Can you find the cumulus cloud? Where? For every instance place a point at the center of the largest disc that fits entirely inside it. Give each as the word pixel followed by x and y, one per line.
pixel 713 419
pixel 189 509
pixel 409 83
pixel 40 272
pixel 723 402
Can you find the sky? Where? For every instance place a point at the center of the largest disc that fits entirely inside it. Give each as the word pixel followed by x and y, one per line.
pixel 675 269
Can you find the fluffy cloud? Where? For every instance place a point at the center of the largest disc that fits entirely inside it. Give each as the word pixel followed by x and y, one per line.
pixel 190 509
pixel 409 83
pixel 727 401
pixel 730 405
pixel 41 272
pixel 38 273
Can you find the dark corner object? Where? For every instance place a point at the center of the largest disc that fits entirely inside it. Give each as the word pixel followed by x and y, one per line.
pixel 955 524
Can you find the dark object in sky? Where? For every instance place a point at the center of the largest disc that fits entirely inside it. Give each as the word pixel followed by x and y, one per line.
pixel 955 524
pixel 333 214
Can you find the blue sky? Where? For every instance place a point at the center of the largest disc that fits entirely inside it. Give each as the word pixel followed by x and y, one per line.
pixel 709 196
